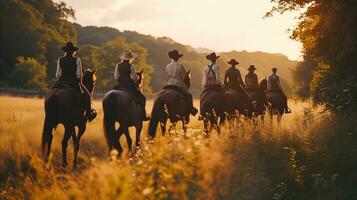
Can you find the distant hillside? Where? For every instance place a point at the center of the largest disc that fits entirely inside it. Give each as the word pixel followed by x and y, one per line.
pixel 194 59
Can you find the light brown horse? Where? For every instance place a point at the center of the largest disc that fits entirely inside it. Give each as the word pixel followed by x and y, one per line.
pixel 66 106
pixel 170 104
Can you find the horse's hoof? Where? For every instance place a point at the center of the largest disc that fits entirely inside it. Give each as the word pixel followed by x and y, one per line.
pixel 64 165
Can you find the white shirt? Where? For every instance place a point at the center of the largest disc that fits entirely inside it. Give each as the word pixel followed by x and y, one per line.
pixel 177 73
pixel 215 68
pixel 133 74
pixel 272 78
pixel 79 72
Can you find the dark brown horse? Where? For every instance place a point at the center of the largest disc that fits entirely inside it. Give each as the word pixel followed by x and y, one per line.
pixel 170 104
pixel 238 102
pixel 66 106
pixel 122 106
pixel 212 108
pixel 259 97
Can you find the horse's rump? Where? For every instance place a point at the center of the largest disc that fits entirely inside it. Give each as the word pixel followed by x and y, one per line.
pixel 175 103
pixel 64 105
pixel 122 106
pixel 212 100
pixel 277 101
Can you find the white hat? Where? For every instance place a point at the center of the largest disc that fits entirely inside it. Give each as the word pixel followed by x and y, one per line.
pixel 127 54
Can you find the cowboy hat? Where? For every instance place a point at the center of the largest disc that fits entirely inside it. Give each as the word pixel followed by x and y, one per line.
pixel 174 54
pixel 233 62
pixel 69 47
pixel 212 56
pixel 127 54
pixel 252 67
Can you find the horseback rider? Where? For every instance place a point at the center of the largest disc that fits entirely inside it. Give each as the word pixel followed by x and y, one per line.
pixel 251 80
pixel 274 86
pixel 232 77
pixel 126 76
pixel 233 80
pixel 211 75
pixel 177 73
pixel 69 73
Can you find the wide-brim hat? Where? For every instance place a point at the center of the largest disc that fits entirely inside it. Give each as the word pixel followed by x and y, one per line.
pixel 233 62
pixel 174 54
pixel 212 56
pixel 252 67
pixel 69 47
pixel 127 54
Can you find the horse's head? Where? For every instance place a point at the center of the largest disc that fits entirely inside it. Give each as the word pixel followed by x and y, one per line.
pixel 263 84
pixel 89 79
pixel 187 79
pixel 140 80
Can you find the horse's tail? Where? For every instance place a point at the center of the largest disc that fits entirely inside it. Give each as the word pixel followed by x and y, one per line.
pixel 157 110
pixel 51 112
pixel 108 121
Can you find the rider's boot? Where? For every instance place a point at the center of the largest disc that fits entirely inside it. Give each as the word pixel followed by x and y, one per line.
pixel 91 114
pixel 194 111
pixel 146 117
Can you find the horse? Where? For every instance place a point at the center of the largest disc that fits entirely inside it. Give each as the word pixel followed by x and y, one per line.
pixel 121 106
pixel 238 103
pixel 212 107
pixel 170 105
pixel 259 97
pixel 66 106
pixel 274 101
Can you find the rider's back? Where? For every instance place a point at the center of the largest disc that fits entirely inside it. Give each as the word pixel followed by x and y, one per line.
pixel 233 76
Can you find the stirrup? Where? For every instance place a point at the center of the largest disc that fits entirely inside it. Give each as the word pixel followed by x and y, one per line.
pixel 146 117
pixel 91 115
pixel 287 110
pixel 200 118
pixel 194 111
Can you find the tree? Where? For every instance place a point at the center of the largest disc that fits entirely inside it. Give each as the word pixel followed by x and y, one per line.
pixel 28 73
pixel 328 32
pixel 33 28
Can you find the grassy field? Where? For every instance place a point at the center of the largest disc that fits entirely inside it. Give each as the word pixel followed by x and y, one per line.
pixel 310 156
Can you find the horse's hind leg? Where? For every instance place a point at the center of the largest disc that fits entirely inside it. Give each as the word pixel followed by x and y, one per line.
pixel 279 117
pixel 116 142
pixel 76 140
pixel 69 129
pixel 46 140
pixel 138 129
pixel 128 138
pixel 163 126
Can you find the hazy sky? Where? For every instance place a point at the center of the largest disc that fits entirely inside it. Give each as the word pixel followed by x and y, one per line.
pixel 221 25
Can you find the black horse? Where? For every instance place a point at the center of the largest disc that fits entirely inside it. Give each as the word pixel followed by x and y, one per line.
pixel 122 106
pixel 170 104
pixel 66 106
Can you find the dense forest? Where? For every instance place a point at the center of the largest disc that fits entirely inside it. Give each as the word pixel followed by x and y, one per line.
pixel 32 33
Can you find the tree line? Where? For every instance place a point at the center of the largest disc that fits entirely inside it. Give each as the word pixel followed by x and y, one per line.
pixel 33 31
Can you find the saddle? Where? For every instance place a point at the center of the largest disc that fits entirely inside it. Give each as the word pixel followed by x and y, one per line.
pixel 132 93
pixel 175 88
pixel 212 88
pixel 66 85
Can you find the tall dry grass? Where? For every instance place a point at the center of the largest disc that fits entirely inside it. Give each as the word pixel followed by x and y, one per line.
pixel 309 156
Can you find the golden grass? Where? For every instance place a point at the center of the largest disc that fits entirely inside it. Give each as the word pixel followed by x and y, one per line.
pixel 246 161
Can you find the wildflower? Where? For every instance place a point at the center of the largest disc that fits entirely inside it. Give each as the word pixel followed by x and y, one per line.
pixel 147 191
